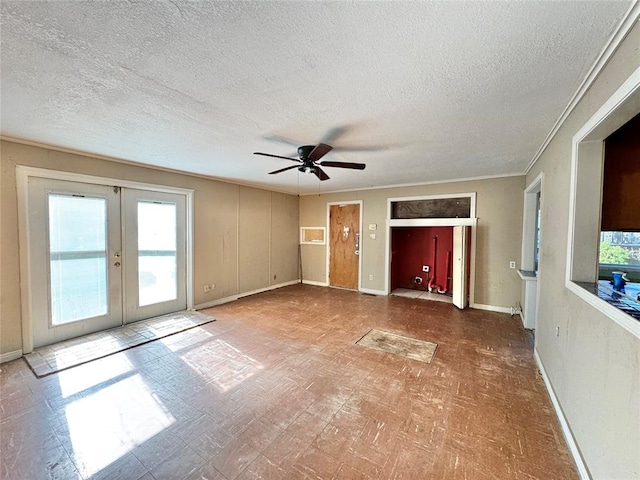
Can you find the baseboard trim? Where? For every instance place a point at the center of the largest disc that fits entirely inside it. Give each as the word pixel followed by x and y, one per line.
pixel 564 424
pixel 233 298
pixel 218 301
pixel 373 292
pixel 9 356
pixel 490 308
pixel 266 289
pixel 524 325
pixel 317 284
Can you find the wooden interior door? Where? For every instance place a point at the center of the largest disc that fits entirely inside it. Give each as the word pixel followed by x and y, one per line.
pixel 344 246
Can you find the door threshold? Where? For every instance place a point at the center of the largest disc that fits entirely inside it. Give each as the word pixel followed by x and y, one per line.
pixel 344 288
pixel 422 295
pixel 54 358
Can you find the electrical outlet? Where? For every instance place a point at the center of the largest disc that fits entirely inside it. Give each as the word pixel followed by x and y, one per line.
pixel 557 331
pixel 425 268
pixel 213 286
pixel 512 264
pixel 371 277
pixel 207 288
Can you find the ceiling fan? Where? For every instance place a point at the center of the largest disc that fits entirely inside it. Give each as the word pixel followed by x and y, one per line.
pixel 309 161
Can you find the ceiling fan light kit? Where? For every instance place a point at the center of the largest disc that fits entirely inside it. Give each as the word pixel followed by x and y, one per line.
pixel 309 161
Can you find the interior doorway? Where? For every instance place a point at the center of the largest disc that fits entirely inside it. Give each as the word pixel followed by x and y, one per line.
pixel 430 263
pixel 531 251
pixel 101 256
pixel 344 245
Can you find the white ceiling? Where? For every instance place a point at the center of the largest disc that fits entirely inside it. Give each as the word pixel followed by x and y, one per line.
pixel 430 91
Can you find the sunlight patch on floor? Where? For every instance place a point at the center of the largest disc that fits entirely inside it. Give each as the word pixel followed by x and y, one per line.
pixel 101 431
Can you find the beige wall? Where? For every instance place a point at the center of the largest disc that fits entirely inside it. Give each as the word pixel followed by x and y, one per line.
pixel 499 232
pixel 594 364
pixel 243 237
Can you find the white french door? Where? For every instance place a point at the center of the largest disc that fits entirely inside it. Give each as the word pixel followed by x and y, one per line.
pixel 102 256
pixel 154 253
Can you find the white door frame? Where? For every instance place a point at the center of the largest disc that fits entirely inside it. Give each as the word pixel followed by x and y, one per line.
pixel 434 222
pixel 348 202
pixel 23 174
pixel 529 313
pixel 530 214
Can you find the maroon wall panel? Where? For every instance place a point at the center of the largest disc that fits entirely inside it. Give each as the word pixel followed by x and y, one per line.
pixel 412 247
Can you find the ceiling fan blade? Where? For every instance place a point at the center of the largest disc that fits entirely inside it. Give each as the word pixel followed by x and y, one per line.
pixel 276 156
pixel 373 148
pixel 335 133
pixel 354 166
pixel 278 138
pixel 320 151
pixel 283 169
pixel 320 174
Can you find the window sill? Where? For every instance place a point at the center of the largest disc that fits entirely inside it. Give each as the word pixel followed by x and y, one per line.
pixel 604 302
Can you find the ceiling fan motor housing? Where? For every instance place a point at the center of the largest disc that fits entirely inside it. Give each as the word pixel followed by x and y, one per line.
pixel 305 150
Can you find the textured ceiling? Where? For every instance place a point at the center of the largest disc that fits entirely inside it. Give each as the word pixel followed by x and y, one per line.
pixel 420 92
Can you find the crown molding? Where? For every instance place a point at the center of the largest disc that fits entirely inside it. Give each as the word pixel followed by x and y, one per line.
pixel 97 156
pixel 418 184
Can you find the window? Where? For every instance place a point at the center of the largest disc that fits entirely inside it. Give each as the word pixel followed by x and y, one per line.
pixel 434 207
pixel 536 242
pixel 620 252
pixel 620 223
pixel 531 227
pixel 587 202
pixel 620 249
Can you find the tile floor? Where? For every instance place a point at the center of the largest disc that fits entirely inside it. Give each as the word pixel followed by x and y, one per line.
pixel 421 295
pixel 277 389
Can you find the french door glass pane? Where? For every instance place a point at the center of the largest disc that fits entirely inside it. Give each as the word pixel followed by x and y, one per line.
pixel 77 257
pixel 157 253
